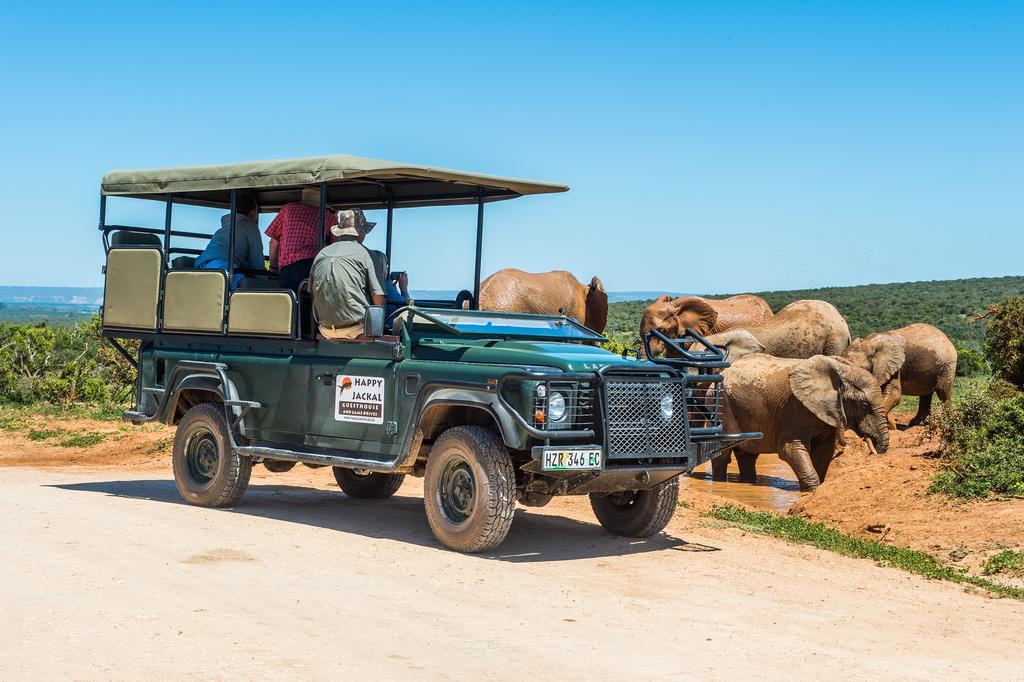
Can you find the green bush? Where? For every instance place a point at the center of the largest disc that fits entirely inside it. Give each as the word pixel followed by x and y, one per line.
pixel 1004 340
pixel 970 363
pixel 61 365
pixel 983 442
pixel 622 342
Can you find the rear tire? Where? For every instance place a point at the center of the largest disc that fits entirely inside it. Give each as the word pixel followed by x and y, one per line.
pixel 637 514
pixel 207 471
pixel 371 485
pixel 469 489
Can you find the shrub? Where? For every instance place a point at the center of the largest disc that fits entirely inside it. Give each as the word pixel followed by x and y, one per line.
pixel 1004 340
pixel 983 442
pixel 970 363
pixel 61 365
pixel 622 342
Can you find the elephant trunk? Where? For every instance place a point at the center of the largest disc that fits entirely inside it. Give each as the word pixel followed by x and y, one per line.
pixel 875 428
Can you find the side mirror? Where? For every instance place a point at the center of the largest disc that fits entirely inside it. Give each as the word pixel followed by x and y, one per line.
pixel 373 322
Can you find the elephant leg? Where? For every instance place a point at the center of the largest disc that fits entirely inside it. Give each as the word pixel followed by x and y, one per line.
pixel 720 465
pixel 924 409
pixel 822 453
pixel 794 453
pixel 748 466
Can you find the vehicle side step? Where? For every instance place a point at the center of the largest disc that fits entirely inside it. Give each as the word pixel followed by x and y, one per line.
pixel 352 461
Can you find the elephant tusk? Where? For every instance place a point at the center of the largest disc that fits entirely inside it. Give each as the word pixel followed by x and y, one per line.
pixel 871 446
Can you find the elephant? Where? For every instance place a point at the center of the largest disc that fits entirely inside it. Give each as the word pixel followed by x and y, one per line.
pixel 801 406
pixel 929 368
pixel 884 356
pixel 546 293
pixel 672 316
pixel 800 330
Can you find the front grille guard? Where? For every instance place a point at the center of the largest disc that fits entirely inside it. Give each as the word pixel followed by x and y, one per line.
pixel 701 386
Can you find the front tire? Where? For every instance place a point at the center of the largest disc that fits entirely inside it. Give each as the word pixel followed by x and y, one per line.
pixel 368 485
pixel 469 490
pixel 637 514
pixel 207 471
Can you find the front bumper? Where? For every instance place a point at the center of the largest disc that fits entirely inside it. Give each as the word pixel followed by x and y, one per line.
pixel 623 419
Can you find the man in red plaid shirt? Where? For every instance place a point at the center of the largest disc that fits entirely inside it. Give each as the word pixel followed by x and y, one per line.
pixel 293 238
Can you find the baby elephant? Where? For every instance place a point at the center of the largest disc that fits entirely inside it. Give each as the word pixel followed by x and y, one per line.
pixel 801 406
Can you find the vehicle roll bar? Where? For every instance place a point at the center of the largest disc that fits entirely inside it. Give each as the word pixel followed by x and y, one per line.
pixel 711 357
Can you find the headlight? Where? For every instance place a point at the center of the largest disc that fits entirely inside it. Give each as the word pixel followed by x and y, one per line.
pixel 556 407
pixel 667 407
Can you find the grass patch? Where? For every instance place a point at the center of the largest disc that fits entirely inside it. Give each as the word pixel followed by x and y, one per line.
pixel 795 529
pixel 43 434
pixel 1007 561
pixel 161 446
pixel 81 440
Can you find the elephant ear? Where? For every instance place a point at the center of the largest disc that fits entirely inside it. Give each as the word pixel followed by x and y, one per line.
pixel 817 383
pixel 739 343
pixel 696 312
pixel 887 357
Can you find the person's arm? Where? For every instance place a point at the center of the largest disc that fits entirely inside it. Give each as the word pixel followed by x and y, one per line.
pixel 273 254
pixel 255 250
pixel 274 232
pixel 373 287
pixel 403 285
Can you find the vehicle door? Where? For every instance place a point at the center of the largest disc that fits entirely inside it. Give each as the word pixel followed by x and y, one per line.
pixel 353 397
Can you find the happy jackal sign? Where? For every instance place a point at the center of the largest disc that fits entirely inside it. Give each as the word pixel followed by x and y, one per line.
pixel 359 399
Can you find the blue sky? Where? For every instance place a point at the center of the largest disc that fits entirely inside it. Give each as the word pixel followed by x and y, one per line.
pixel 711 147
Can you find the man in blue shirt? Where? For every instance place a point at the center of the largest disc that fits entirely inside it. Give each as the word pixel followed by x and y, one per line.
pixel 248 240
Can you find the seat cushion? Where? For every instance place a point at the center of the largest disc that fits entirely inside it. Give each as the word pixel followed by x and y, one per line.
pixel 194 301
pixel 262 313
pixel 132 288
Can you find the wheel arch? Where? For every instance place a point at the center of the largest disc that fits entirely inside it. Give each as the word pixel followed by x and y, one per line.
pixel 196 388
pixel 191 391
pixel 444 408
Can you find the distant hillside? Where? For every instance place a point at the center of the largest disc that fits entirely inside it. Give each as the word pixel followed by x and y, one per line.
pixel 48 295
pixel 947 304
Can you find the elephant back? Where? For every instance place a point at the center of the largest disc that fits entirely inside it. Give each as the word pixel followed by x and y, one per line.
pixel 804 329
pixel 545 293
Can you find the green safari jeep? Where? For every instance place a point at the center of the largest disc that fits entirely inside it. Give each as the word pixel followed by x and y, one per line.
pixel 490 408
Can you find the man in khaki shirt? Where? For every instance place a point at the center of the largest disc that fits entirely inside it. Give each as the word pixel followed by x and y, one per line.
pixel 343 280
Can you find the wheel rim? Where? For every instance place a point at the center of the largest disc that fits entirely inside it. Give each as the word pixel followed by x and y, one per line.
pixel 361 473
pixel 202 456
pixel 457 490
pixel 623 500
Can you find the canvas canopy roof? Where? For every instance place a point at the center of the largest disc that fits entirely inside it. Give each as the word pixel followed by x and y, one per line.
pixel 351 181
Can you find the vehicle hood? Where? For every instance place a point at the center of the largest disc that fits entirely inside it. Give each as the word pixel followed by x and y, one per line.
pixel 568 357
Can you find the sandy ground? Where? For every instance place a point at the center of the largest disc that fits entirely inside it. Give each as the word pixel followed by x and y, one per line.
pixel 108 575
pixel 890 492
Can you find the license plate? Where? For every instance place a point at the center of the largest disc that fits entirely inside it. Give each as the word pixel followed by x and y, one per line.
pixel 571 460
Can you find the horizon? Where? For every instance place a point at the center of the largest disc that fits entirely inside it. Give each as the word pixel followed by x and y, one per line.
pixel 615 296
pixel 782 147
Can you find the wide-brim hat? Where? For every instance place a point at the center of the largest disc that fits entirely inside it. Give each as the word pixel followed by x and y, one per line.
pixel 352 223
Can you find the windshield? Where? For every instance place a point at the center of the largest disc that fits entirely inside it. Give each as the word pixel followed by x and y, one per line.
pixel 510 324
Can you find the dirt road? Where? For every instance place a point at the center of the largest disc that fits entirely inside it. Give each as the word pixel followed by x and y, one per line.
pixel 107 575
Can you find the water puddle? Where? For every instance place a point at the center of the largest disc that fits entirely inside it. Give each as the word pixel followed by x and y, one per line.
pixel 776 489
